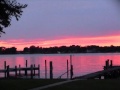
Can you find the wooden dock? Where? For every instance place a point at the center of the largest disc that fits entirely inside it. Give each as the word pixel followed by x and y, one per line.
pixel 25 72
pixel 21 71
pixel 109 71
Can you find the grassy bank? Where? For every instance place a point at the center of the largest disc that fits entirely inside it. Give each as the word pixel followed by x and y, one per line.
pixel 89 85
pixel 24 84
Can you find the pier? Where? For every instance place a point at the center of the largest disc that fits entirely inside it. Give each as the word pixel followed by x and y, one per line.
pixel 109 72
pixel 18 71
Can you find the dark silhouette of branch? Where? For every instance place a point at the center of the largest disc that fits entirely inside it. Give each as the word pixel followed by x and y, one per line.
pixel 9 9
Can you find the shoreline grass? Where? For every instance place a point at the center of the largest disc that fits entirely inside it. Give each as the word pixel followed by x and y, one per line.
pixel 111 84
pixel 25 84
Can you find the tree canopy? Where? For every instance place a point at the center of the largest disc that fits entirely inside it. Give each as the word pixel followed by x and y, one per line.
pixel 9 9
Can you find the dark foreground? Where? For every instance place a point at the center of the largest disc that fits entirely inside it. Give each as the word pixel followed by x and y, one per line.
pixel 89 85
pixel 25 84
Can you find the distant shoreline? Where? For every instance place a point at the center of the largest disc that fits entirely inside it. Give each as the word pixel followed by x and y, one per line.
pixel 61 50
pixel 62 53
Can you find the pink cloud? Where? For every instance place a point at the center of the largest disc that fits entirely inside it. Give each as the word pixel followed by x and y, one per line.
pixel 83 41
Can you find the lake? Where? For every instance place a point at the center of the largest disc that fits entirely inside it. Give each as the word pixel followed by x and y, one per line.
pixel 82 63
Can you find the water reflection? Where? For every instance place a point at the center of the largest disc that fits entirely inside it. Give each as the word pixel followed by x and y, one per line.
pixel 82 63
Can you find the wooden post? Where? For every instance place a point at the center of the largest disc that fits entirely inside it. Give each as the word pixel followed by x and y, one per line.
pixel 5 68
pixel 26 64
pixel 51 70
pixel 31 71
pixel 8 74
pixel 107 64
pixel 38 71
pixel 45 69
pixel 34 69
pixel 111 64
pixel 71 67
pixel 19 70
pixel 15 71
pixel 67 70
pixel 70 59
pixel 71 72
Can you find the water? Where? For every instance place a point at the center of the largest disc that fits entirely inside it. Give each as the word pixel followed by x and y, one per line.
pixel 82 63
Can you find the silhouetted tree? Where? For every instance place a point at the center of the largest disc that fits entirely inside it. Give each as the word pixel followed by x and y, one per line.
pixel 26 50
pixel 2 49
pixel 32 49
pixel 12 50
pixel 9 9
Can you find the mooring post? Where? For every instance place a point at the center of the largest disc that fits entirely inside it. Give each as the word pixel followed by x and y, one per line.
pixel 26 64
pixel 39 71
pixel 111 64
pixel 71 72
pixel 5 68
pixel 8 74
pixel 67 70
pixel 107 64
pixel 70 59
pixel 71 67
pixel 45 69
pixel 51 70
pixel 34 69
pixel 31 71
pixel 19 70
pixel 15 71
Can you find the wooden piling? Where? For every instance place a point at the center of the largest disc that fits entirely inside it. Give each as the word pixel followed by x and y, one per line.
pixel 34 70
pixel 106 64
pixel 31 71
pixel 67 70
pixel 19 70
pixel 71 72
pixel 70 59
pixel 71 67
pixel 15 71
pixel 8 74
pixel 45 69
pixel 26 64
pixel 51 70
pixel 5 68
pixel 38 71
pixel 111 64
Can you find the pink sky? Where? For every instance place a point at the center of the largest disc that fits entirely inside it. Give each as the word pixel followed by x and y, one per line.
pixel 67 41
pixel 48 23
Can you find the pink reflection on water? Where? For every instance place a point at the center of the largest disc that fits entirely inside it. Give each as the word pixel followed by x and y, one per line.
pixel 82 63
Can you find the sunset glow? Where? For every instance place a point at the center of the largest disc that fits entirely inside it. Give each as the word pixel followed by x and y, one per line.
pixel 49 23
pixel 82 41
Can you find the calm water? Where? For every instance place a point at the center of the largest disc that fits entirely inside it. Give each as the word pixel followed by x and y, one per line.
pixel 82 63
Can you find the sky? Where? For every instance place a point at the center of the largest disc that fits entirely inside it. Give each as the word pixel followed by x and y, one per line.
pixel 48 23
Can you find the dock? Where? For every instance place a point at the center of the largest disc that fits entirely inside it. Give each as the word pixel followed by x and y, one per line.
pixel 31 71
pixel 19 72
pixel 109 72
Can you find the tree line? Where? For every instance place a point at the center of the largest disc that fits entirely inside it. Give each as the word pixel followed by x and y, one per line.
pixel 62 49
